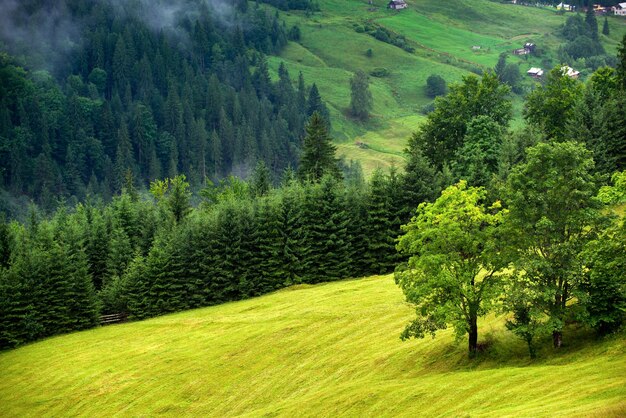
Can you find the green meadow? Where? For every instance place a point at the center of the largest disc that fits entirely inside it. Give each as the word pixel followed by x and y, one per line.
pixel 326 350
pixel 442 33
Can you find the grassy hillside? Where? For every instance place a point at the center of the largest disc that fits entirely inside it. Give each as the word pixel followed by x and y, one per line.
pixel 325 350
pixel 442 33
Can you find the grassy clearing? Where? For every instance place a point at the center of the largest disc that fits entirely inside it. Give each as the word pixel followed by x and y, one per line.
pixel 451 40
pixel 443 33
pixel 325 350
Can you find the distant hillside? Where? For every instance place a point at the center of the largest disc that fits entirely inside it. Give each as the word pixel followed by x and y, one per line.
pixel 442 33
pixel 325 350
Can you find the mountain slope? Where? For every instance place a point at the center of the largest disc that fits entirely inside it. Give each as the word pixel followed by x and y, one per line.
pixel 325 350
pixel 333 46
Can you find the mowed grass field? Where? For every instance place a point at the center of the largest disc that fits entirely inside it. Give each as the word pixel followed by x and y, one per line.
pixel 326 350
pixel 443 34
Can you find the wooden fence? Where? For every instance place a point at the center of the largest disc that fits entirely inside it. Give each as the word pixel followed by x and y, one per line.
pixel 113 318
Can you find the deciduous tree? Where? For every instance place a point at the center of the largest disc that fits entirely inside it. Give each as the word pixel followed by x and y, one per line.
pixel 553 213
pixel 452 272
pixel 442 134
pixel 551 106
pixel 436 86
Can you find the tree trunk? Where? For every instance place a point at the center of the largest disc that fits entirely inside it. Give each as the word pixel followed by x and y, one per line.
pixel 557 338
pixel 532 351
pixel 473 336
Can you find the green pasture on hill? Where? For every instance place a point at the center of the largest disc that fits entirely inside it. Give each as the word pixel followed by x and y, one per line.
pixel 326 350
pixel 443 33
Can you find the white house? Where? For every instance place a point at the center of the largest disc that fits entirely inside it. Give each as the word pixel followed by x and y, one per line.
pixel 620 9
pixel 564 6
pixel 397 4
pixel 535 72
pixel 570 72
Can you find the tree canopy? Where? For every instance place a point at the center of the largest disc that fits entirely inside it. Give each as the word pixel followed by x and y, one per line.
pixel 553 213
pixel 443 132
pixel 551 106
pixel 361 100
pixel 451 275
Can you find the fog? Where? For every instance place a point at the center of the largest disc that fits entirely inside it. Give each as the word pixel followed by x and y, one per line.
pixel 45 32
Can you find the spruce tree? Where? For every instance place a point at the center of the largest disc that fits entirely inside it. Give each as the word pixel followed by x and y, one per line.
pixel 315 104
pixel 119 254
pixel 163 293
pixel 621 64
pixel 592 22
pixel 500 66
pixel 19 318
pixel 326 226
pixel 81 300
pixel 605 27
pixel 124 162
pixel 261 180
pixel 247 268
pixel 97 248
pixel 293 239
pixel 178 198
pixel 361 100
pixel 227 244
pixel 356 206
pixel 418 180
pixel 269 270
pixel 5 243
pixel 318 152
pixel 382 250
pixel 136 287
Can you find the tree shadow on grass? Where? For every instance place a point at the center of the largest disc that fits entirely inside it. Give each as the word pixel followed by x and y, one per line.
pixel 499 348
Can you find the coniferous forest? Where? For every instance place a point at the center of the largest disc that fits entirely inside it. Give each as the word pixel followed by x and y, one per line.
pixel 167 170
pixel 145 88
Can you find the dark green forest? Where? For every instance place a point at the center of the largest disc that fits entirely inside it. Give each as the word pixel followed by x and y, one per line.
pixel 167 171
pixel 154 90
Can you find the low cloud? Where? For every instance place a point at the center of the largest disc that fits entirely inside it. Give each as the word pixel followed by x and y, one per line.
pixel 47 32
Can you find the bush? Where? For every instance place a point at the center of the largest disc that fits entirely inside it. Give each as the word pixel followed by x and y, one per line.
pixel 436 86
pixel 380 72
pixel 428 108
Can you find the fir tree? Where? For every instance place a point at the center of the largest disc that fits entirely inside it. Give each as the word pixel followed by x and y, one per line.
pixel 358 231
pixel 261 181
pixel 5 243
pixel 293 239
pixel 318 152
pixel 269 270
pixel 136 286
pixel 592 22
pixel 178 198
pixel 621 64
pixel 326 222
pixel 361 100
pixel 315 104
pixel 381 231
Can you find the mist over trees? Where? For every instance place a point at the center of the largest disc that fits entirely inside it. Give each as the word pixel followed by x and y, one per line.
pixel 149 93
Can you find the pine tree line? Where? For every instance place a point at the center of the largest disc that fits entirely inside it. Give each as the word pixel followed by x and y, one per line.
pixel 146 257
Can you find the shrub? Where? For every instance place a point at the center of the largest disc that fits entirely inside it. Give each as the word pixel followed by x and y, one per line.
pixel 380 72
pixel 436 86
